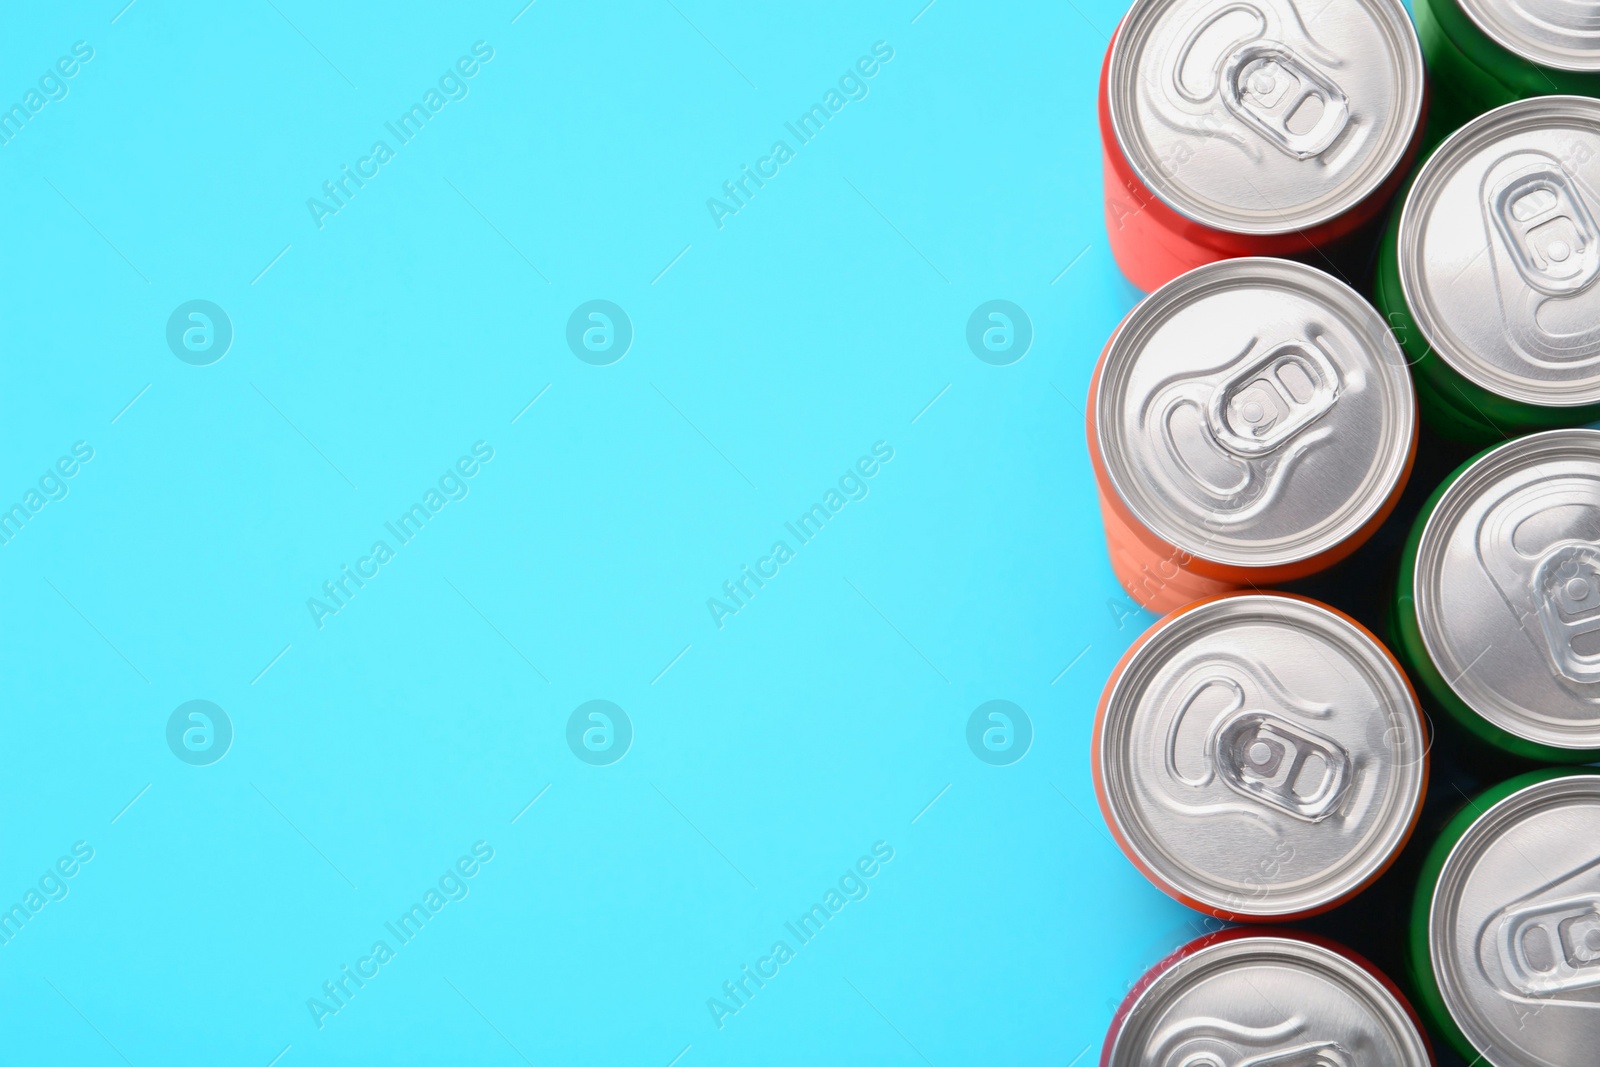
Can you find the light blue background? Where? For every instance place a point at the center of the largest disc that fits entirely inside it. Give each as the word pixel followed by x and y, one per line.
pixel 822 718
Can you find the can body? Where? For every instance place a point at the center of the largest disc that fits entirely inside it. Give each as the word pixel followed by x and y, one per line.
pixel 1171 158
pixel 1259 757
pixel 1503 950
pixel 1472 73
pixel 1494 610
pixel 1250 423
pixel 1204 1004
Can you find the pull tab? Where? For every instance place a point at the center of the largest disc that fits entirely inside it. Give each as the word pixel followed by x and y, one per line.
pixel 1547 227
pixel 1284 98
pixel 1284 766
pixel 1566 596
pixel 1259 408
pixel 1552 948
pixel 1320 1054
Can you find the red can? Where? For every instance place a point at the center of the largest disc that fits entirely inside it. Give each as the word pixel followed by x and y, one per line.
pixel 1235 129
pixel 1265 997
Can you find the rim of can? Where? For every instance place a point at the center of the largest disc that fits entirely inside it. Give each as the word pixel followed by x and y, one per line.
pixel 1119 704
pixel 1519 116
pixel 1207 957
pixel 1141 18
pixel 1487 17
pixel 1544 794
pixel 1478 476
pixel 1130 481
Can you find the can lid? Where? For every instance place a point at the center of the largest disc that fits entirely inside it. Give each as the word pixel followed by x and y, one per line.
pixel 1507 587
pixel 1266 1000
pixel 1254 412
pixel 1499 251
pixel 1261 755
pixel 1251 117
pixel 1514 927
pixel 1563 34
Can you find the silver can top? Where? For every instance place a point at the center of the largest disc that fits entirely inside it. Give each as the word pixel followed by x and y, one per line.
pixel 1266 1001
pixel 1499 251
pixel 1254 412
pixel 1261 754
pixel 1507 588
pixel 1258 117
pixel 1564 34
pixel 1514 927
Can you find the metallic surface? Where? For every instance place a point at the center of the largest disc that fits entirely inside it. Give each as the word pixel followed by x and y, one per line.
pixel 1257 117
pixel 1507 588
pixel 1254 412
pixel 1514 927
pixel 1260 755
pixel 1499 251
pixel 1266 1001
pixel 1564 34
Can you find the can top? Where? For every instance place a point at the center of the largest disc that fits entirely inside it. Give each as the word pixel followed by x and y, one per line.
pixel 1261 754
pixel 1500 250
pixel 1562 34
pixel 1254 412
pixel 1255 117
pixel 1507 587
pixel 1514 926
pixel 1266 1000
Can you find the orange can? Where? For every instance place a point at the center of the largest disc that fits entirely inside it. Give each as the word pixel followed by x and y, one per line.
pixel 1255 130
pixel 1250 422
pixel 1260 757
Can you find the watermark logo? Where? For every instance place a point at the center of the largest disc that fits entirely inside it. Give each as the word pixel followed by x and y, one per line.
pixel 999 332
pixel 599 332
pixel 999 733
pixel 199 332
pixel 199 733
pixel 599 732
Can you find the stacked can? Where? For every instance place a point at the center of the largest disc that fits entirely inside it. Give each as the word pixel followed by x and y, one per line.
pixel 1248 129
pixel 1269 999
pixel 1259 757
pixel 1249 423
pixel 1488 275
pixel 1485 53
pixel 1498 606
pixel 1505 929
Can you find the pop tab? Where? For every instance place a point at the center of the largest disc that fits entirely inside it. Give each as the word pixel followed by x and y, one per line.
pixel 1551 948
pixel 1237 76
pixel 1229 440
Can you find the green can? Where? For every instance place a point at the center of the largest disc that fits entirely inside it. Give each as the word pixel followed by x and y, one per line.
pixel 1504 944
pixel 1489 274
pixel 1497 612
pixel 1484 53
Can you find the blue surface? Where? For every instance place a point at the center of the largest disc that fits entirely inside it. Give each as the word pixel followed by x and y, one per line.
pixel 374 747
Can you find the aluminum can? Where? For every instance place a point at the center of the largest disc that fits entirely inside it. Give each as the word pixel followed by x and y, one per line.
pixel 1259 757
pixel 1250 422
pixel 1481 54
pixel 1497 609
pixel 1490 273
pixel 1254 128
pixel 1265 998
pixel 1504 944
